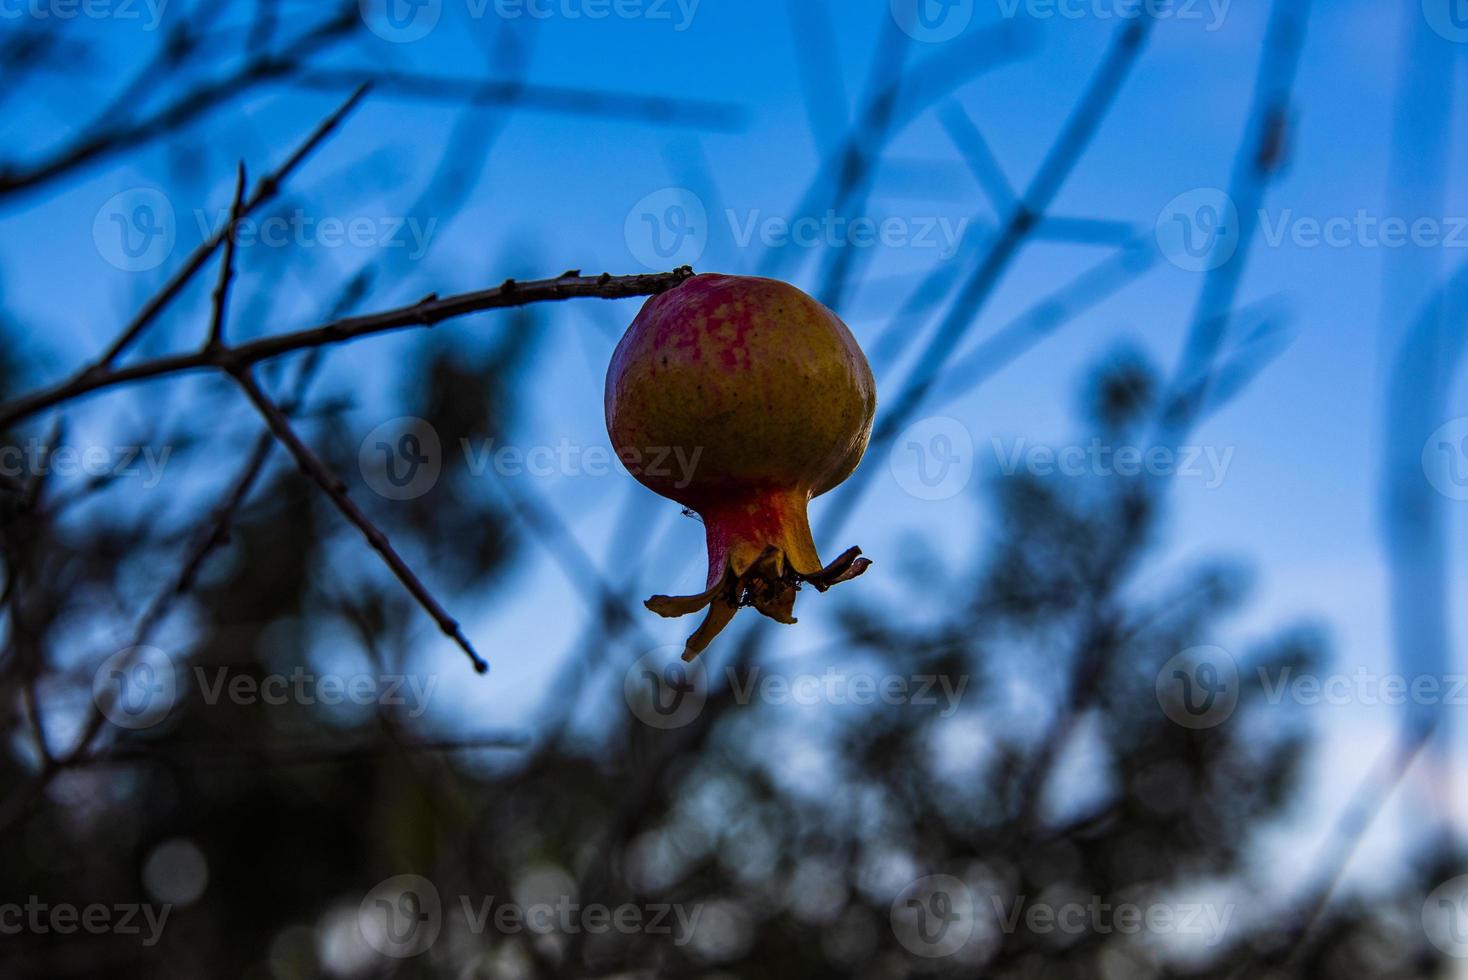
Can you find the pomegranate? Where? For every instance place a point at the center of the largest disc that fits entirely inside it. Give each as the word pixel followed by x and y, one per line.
pixel 766 396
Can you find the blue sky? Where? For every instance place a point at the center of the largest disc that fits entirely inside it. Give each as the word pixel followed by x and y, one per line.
pixel 1297 500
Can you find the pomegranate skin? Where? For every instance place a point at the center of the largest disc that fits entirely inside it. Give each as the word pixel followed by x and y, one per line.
pixel 764 399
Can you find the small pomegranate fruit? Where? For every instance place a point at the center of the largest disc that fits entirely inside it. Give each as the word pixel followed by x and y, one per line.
pixel 766 398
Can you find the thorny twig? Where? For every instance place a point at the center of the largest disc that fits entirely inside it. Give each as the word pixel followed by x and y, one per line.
pixel 424 313
pixel 264 191
pixel 334 488
pixel 226 266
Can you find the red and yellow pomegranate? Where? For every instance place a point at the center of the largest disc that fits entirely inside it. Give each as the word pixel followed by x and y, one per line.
pixel 766 396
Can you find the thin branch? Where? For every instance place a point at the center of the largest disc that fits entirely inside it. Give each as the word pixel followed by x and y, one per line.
pixel 17 558
pixel 1422 336
pixel 1064 154
pixel 864 152
pixel 577 565
pixel 264 191
pixel 596 647
pixel 982 162
pixel 334 488
pixel 189 107
pixel 1237 371
pixel 700 113
pixel 1345 839
pixel 819 69
pixel 901 101
pixel 1061 159
pixel 1044 317
pixel 265 755
pixel 263 27
pixel 212 534
pixel 905 325
pixel 424 313
pixel 1261 154
pixel 226 267
pixel 185 41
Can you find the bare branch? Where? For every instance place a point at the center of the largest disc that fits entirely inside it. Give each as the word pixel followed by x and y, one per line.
pixel 982 161
pixel 577 565
pixel 226 267
pixel 704 114
pixel 213 533
pixel 1060 160
pixel 424 313
pixel 820 70
pixel 1259 158
pixel 313 467
pixel 196 103
pixel 264 191
pixel 892 107
pixel 1044 317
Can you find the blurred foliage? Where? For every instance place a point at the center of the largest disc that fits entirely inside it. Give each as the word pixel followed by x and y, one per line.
pixel 1057 779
